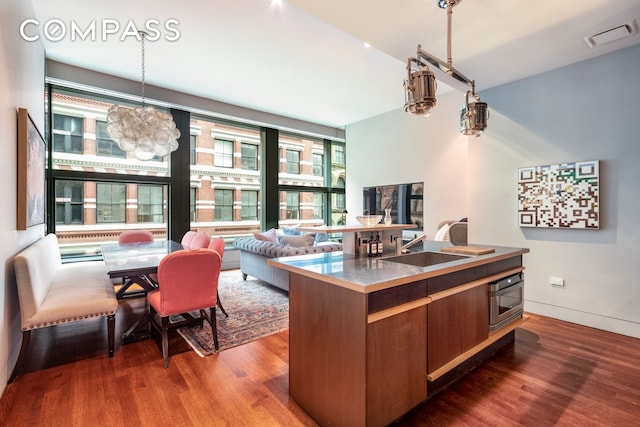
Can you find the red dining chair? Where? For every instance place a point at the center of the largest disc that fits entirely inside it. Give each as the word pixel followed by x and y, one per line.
pixel 135 236
pixel 187 282
pixel 148 282
pixel 200 241
pixel 187 238
pixel 217 244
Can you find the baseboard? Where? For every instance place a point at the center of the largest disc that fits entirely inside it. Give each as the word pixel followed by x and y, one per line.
pixel 610 324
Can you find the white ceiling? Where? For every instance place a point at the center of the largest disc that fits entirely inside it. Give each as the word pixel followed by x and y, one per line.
pixel 307 59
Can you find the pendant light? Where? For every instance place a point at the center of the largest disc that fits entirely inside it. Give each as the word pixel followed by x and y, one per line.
pixel 420 85
pixel 145 131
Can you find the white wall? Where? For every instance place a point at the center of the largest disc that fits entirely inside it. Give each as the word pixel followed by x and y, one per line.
pixel 587 111
pixel 396 148
pixel 21 85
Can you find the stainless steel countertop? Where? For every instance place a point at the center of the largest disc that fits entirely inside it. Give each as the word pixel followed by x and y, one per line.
pixel 372 274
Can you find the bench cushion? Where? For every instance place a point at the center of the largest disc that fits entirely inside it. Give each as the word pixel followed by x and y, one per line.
pixel 51 293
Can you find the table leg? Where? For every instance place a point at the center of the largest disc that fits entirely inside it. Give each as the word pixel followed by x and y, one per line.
pixel 138 331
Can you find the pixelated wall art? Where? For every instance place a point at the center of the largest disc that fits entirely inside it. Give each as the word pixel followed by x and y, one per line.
pixel 565 195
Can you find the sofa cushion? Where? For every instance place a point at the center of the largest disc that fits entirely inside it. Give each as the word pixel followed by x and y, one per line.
pixel 300 241
pixel 290 231
pixel 267 236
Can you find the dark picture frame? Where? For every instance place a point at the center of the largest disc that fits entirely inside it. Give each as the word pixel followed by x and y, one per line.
pixel 31 173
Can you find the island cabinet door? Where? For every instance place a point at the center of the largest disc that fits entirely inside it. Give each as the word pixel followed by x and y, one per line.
pixel 327 341
pixel 396 365
pixel 456 323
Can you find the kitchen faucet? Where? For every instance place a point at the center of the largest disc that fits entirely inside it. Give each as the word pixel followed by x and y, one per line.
pixel 405 249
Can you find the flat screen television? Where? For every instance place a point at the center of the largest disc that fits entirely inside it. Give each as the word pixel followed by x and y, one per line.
pixel 404 200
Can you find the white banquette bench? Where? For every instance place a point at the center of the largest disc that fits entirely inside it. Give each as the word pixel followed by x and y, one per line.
pixel 51 293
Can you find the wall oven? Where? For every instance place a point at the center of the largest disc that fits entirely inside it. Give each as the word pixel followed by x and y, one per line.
pixel 506 300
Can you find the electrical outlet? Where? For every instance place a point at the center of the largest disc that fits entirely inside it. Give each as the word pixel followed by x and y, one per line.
pixel 556 281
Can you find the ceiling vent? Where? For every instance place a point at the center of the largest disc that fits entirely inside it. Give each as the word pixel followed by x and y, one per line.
pixel 612 34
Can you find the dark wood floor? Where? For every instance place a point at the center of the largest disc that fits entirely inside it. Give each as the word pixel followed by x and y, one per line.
pixel 556 373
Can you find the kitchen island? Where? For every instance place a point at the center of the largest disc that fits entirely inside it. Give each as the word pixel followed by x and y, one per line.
pixel 371 338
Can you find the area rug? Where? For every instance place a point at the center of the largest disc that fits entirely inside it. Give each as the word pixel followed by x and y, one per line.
pixel 256 310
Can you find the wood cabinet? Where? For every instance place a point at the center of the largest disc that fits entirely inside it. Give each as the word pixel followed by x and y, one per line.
pixel 457 323
pixel 346 370
pixel 396 365
pixel 359 358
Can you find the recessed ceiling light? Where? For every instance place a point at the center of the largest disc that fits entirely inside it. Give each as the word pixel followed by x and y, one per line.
pixel 612 34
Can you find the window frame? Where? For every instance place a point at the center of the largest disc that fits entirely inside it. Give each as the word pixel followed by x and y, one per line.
pixel 118 204
pixel 223 206
pixel 69 142
pixel 292 166
pixel 222 158
pixel 244 159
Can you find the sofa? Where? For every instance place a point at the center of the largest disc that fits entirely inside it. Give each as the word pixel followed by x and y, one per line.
pixel 254 252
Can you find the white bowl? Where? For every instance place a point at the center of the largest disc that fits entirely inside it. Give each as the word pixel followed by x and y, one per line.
pixel 369 220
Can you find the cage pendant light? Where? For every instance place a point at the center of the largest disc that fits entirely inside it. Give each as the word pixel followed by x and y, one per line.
pixel 420 85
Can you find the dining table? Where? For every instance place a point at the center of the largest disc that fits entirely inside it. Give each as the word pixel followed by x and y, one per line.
pixel 136 261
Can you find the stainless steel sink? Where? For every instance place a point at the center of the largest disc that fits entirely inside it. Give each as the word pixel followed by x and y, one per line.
pixel 425 259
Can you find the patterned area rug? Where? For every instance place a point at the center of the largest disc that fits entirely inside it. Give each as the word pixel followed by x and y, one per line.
pixel 255 309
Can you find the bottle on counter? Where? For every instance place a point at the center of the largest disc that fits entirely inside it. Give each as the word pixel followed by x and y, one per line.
pixel 378 244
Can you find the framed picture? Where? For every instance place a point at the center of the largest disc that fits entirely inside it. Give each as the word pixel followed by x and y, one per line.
pixel 566 195
pixel 31 172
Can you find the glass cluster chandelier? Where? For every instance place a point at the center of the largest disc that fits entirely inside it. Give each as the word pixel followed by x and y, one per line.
pixel 420 85
pixel 145 131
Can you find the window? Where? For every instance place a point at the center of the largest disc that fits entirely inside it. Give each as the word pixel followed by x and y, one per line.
pixel 338 154
pixel 318 164
pixel 249 210
pixel 249 156
pixel 192 204
pixel 224 205
pixel 339 213
pixel 105 146
pixel 150 201
pixel 318 205
pixel 223 153
pixel 192 149
pixel 293 205
pixel 110 203
pixel 98 194
pixel 293 161
pixel 67 134
pixel 69 202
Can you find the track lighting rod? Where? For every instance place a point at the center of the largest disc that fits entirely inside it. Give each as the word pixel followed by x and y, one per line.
pixel 424 57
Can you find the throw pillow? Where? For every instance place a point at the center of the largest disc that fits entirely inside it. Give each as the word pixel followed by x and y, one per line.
pixel 298 241
pixel 442 234
pixel 291 231
pixel 322 237
pixel 267 236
